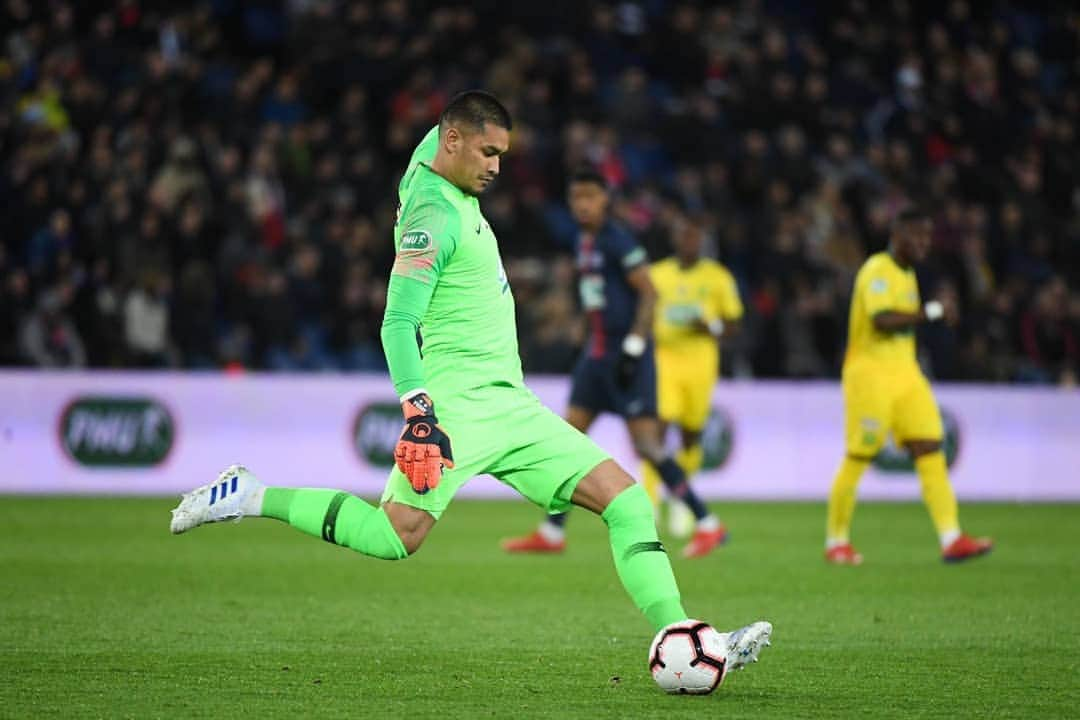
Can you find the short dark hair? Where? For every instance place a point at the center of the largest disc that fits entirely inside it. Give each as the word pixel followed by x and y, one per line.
pixel 914 212
pixel 589 174
pixel 474 108
pixel 917 211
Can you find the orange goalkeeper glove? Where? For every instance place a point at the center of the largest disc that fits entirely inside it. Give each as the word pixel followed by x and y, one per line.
pixel 423 450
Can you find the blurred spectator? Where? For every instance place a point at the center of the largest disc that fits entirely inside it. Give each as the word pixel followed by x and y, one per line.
pixel 1051 349
pixel 97 314
pixel 246 154
pixel 15 305
pixel 50 247
pixel 48 338
pixel 146 321
pixel 180 178
pixel 193 316
pixel 284 106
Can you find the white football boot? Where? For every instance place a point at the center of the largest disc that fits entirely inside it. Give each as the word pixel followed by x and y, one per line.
pixel 745 644
pixel 681 521
pixel 230 497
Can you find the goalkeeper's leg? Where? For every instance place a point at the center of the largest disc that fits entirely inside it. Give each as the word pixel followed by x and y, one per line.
pixel 640 558
pixel 391 532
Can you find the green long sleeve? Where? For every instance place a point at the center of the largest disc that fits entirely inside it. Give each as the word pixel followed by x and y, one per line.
pixel 428 238
pixel 406 301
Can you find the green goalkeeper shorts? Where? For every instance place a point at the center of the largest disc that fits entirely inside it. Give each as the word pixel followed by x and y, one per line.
pixel 506 432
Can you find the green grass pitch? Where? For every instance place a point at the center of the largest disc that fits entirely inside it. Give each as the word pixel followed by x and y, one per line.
pixel 103 614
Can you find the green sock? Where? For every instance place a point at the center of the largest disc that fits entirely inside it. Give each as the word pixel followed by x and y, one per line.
pixel 336 517
pixel 640 558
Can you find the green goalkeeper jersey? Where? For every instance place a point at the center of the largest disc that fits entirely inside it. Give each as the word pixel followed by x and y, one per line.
pixel 447 288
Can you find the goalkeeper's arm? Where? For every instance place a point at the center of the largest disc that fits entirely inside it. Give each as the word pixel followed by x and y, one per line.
pixel 406 302
pixel 423 449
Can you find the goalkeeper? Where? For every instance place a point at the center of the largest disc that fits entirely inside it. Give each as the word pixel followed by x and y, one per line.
pixel 466 408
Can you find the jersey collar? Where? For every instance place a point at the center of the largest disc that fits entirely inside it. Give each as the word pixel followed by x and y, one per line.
pixel 449 184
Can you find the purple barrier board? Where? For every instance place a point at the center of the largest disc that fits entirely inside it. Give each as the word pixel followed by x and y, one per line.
pixel 163 433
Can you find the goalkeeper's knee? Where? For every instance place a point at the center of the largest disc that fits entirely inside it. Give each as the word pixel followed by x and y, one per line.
pixel 630 507
pixel 369 531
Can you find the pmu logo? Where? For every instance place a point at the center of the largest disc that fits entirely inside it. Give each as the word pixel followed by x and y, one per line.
pixel 894 459
pixel 717 438
pixel 376 431
pixel 106 431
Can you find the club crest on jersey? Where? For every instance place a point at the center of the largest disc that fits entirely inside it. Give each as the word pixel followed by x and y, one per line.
pixel 415 240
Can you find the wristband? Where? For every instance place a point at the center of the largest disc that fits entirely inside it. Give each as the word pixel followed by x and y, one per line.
pixel 934 310
pixel 633 345
pixel 406 397
pixel 716 327
pixel 417 402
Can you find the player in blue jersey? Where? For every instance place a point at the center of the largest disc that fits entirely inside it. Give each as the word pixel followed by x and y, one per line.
pixel 617 371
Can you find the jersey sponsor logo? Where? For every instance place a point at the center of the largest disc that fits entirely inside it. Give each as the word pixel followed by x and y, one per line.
pixel 591 288
pixel 113 431
pixel 717 438
pixel 682 314
pixel 894 459
pixel 415 240
pixel 375 432
pixel 415 255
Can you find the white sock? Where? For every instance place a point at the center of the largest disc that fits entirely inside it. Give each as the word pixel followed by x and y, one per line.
pixel 831 543
pixel 948 538
pixel 252 505
pixel 551 532
pixel 709 523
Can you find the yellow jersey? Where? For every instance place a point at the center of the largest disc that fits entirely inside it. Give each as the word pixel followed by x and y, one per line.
pixel 705 291
pixel 882 285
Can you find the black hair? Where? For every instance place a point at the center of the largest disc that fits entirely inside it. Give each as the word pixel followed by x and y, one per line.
pixel 589 175
pixel 474 108
pixel 910 213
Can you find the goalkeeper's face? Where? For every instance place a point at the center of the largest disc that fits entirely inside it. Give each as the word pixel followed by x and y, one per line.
pixel 477 152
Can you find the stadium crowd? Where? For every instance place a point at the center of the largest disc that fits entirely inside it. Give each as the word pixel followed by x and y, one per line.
pixel 215 186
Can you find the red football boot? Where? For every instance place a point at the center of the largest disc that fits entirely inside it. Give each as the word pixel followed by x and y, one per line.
pixel 534 542
pixel 704 541
pixel 844 554
pixel 966 547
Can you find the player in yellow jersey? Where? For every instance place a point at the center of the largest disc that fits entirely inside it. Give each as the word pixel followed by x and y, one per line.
pixel 697 304
pixel 885 391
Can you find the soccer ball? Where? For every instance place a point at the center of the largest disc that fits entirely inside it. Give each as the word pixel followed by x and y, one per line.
pixel 688 657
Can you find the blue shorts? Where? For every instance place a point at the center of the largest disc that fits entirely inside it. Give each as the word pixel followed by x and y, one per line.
pixel 595 387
